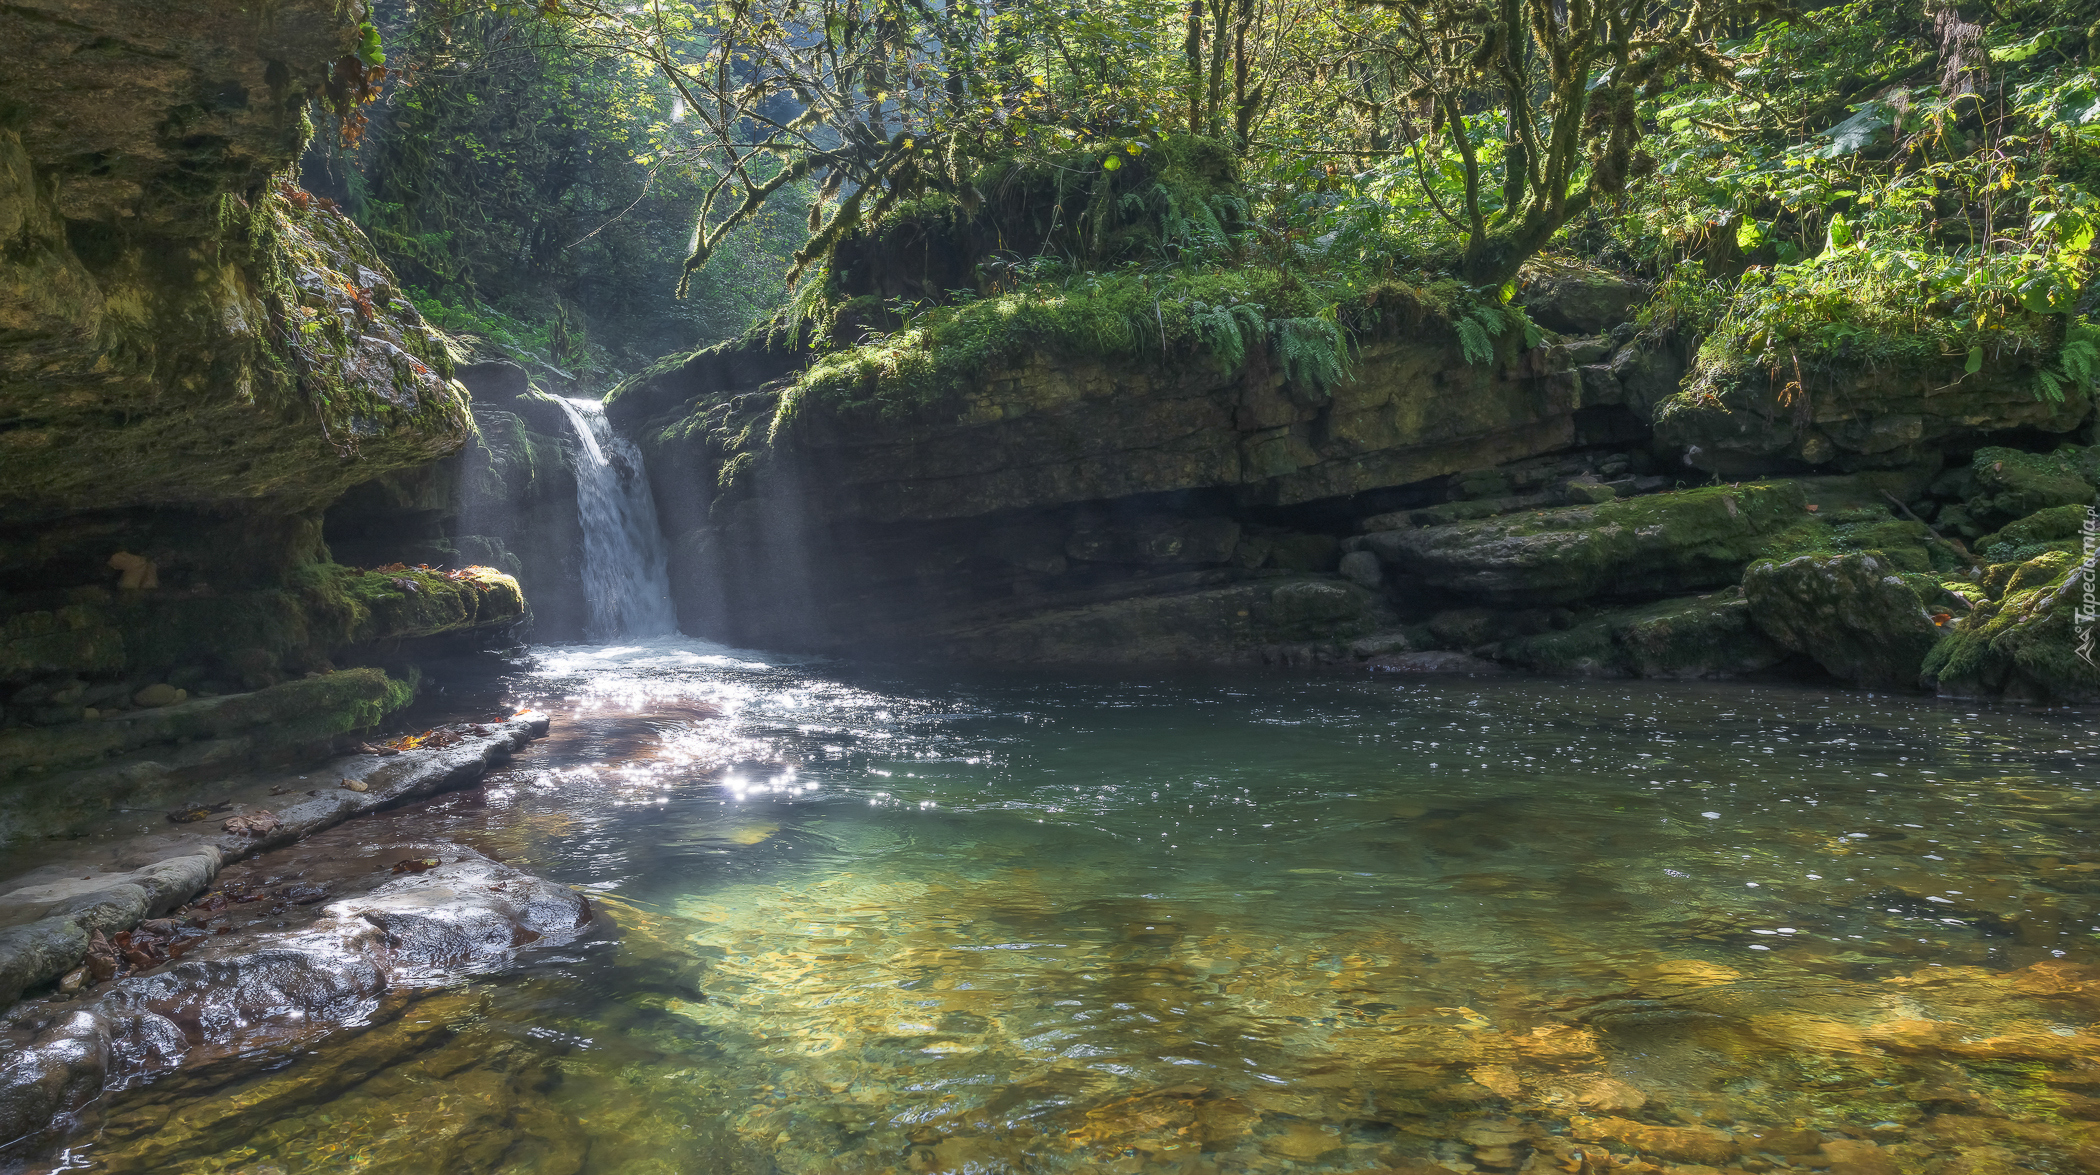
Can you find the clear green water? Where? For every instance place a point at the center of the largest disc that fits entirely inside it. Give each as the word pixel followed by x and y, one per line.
pixel 871 922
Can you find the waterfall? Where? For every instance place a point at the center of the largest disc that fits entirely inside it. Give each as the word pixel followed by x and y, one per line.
pixel 626 584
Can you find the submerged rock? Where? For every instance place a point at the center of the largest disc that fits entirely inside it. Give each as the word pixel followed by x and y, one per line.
pixel 1434 661
pixel 233 995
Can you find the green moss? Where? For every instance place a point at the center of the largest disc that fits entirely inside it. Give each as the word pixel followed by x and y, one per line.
pixel 1907 545
pixel 2010 484
pixel 1127 315
pixel 2024 642
pixel 1704 636
pixel 313 268
pixel 275 720
pixel 257 637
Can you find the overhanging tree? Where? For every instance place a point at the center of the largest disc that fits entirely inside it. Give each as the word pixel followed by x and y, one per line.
pixel 1565 77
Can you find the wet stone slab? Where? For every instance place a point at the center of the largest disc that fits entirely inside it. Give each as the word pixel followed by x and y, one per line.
pixel 334 933
pixel 134 866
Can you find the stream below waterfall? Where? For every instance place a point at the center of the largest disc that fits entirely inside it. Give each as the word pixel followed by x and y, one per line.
pixel 864 920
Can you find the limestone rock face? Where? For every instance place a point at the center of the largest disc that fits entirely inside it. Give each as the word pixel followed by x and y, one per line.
pixel 1205 626
pixel 1055 484
pixel 1736 422
pixel 1661 543
pixel 198 358
pixel 147 113
pixel 1853 613
pixel 506 501
pixel 1047 432
pixel 269 363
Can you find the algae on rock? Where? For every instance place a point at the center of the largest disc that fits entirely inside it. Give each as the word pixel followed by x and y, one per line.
pixel 1853 614
pixel 2024 644
pixel 1641 546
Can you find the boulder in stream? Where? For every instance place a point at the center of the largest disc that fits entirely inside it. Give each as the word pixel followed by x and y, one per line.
pixel 1853 613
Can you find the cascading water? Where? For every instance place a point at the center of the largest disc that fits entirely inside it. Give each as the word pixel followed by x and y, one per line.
pixel 626 581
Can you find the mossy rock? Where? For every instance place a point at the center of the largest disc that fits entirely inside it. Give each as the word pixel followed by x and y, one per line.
pixel 252 638
pixel 1699 637
pixel 1678 541
pixel 1905 544
pixel 2060 528
pixel 2031 642
pixel 1736 416
pixel 290 714
pixel 1852 613
pixel 2010 484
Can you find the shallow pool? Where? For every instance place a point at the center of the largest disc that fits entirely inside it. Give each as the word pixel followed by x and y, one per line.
pixel 859 920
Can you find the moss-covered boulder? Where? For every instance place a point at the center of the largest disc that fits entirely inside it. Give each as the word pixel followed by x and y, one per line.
pixel 1699 637
pixel 2010 484
pixel 2035 641
pixel 1670 542
pixel 2058 528
pixel 1853 614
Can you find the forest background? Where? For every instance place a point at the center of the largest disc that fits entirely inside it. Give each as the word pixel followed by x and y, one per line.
pixel 588 187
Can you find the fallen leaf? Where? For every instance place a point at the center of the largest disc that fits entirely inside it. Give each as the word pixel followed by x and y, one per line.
pixel 192 813
pixel 253 824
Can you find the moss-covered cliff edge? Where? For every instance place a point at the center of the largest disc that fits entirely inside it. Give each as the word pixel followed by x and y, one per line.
pixel 197 358
pixel 1554 507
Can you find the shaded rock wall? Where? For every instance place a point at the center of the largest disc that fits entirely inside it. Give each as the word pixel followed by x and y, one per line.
pixel 196 359
pixel 1426 514
pixel 506 500
pixel 1066 510
pixel 1737 422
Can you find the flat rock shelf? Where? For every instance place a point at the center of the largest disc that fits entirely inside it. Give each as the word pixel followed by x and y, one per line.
pixel 134 866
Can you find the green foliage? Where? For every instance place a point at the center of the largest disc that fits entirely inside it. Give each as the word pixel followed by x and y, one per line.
pixel 1482 327
pixel 1230 318
pixel 514 177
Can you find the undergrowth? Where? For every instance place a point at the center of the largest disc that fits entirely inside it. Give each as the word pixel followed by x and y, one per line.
pixel 1261 319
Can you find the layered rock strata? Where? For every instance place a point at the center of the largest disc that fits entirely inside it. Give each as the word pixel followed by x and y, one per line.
pixel 110 876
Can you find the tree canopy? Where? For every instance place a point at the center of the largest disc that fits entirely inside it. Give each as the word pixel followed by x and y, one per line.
pixel 1871 178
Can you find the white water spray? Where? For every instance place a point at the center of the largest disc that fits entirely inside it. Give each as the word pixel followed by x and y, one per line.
pixel 626 581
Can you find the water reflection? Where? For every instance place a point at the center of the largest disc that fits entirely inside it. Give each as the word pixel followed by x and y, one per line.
pixel 875 923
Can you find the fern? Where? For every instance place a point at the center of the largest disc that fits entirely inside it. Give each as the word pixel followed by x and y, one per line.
pixel 1313 351
pixel 1480 327
pixel 2077 363
pixel 1224 331
pixel 1477 332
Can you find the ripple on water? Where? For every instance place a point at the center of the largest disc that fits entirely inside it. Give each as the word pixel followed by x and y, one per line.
pixel 974 923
